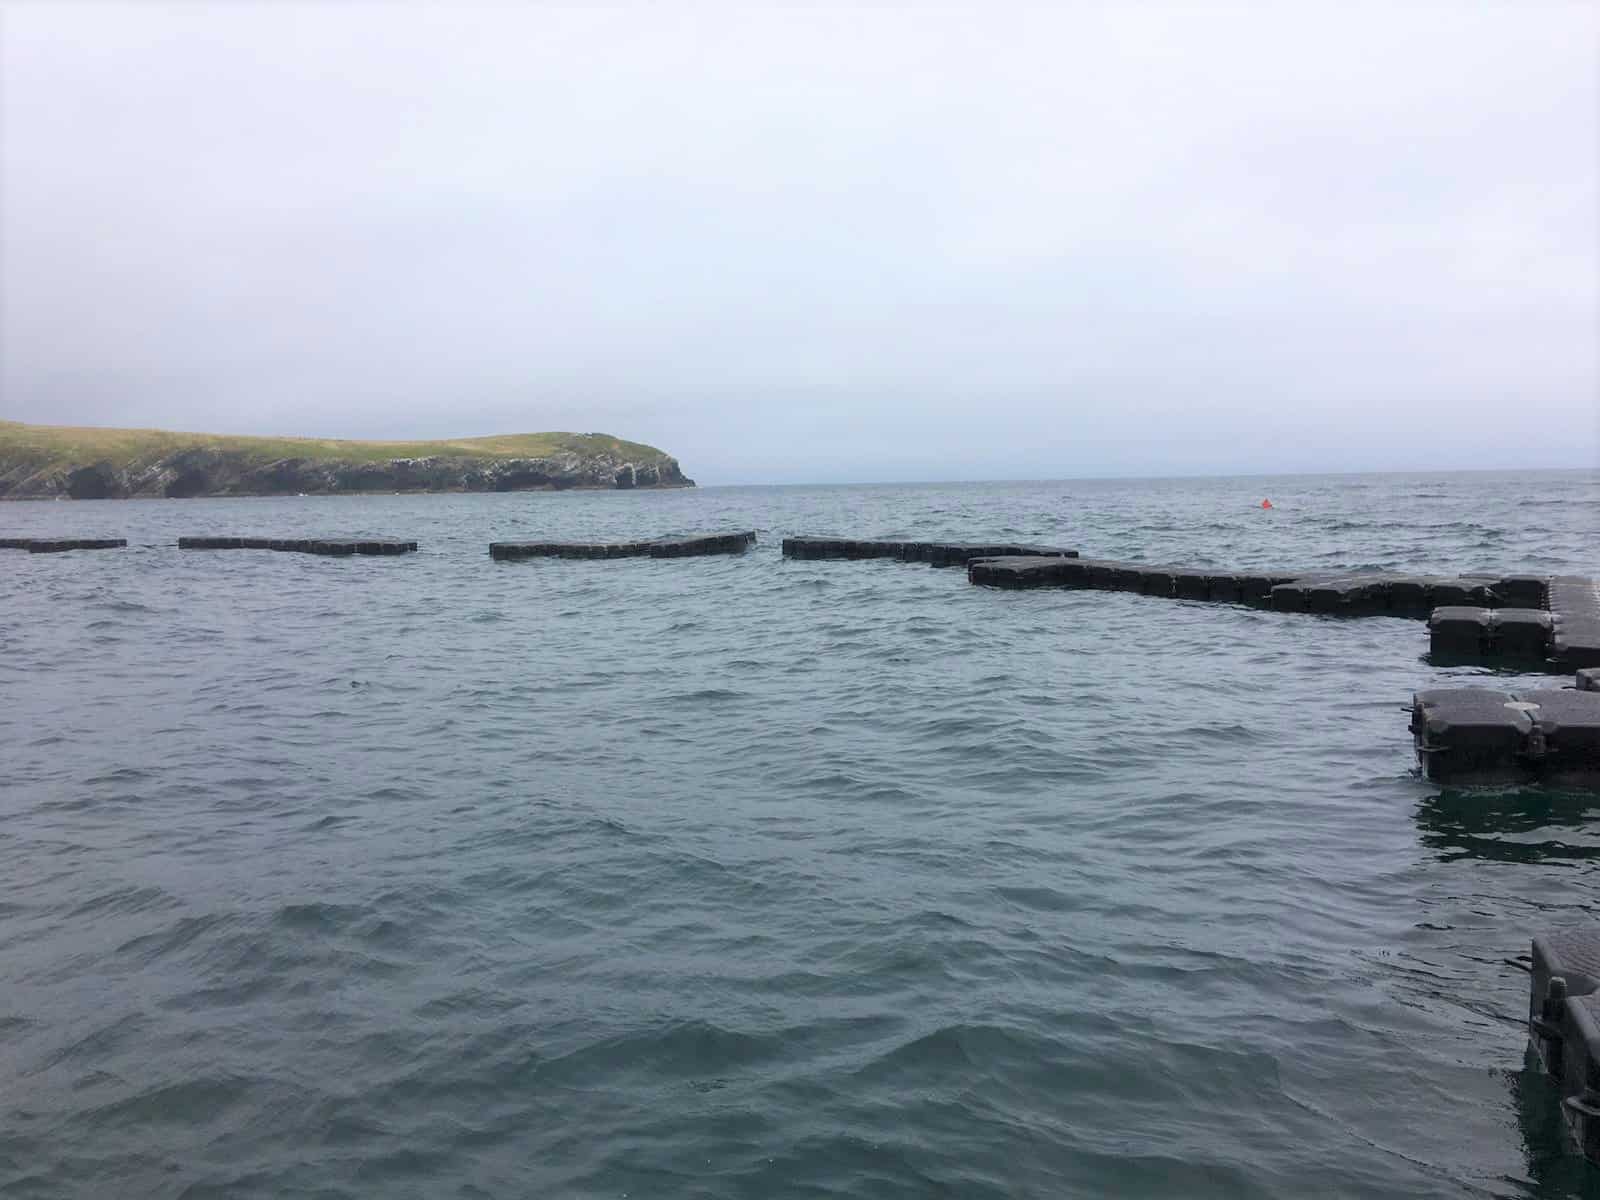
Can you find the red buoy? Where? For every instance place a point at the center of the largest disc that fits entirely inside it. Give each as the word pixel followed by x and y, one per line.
pixel 1266 504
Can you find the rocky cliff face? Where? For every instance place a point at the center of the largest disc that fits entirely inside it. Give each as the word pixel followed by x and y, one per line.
pixel 205 471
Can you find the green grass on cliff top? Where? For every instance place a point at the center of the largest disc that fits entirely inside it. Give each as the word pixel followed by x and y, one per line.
pixel 88 444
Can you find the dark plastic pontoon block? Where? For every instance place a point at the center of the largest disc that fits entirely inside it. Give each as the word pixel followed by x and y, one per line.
pixel 1227 587
pixel 1101 574
pixel 1074 572
pixel 1569 960
pixel 1408 595
pixel 1573 954
pixel 994 572
pixel 1065 572
pixel 1014 572
pixel 1568 724
pixel 1575 641
pixel 1126 577
pixel 1156 581
pixel 1522 632
pixel 1291 597
pixel 811 547
pixel 1352 595
pixel 1450 593
pixel 951 554
pixel 1191 585
pixel 1459 631
pixel 1312 593
pixel 1062 572
pixel 1255 587
pixel 1457 593
pixel 873 549
pixel 1471 735
pixel 1521 591
pixel 1579 1080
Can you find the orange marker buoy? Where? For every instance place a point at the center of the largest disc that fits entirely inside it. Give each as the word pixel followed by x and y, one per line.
pixel 1266 504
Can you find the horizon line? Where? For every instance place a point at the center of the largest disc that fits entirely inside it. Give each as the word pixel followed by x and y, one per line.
pixel 1594 468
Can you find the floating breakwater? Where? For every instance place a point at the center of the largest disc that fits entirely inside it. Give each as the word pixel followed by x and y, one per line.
pixel 938 554
pixel 57 545
pixel 1285 591
pixel 326 546
pixel 1556 619
pixel 716 543
pixel 1562 627
pixel 1247 587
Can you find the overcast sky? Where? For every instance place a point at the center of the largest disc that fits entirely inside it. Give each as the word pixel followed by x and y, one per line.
pixel 806 243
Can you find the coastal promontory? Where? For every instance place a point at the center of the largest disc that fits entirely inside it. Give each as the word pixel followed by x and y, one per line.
pixel 42 462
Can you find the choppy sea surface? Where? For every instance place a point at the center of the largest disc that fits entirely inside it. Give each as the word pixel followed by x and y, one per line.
pixel 738 877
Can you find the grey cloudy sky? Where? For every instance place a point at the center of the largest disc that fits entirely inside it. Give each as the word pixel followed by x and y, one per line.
pixel 810 243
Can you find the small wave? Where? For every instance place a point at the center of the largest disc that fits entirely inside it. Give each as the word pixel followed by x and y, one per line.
pixel 187 1103
pixel 957 1047
pixel 706 696
pixel 180 935
pixel 317 917
pixel 124 900
pixel 1038 899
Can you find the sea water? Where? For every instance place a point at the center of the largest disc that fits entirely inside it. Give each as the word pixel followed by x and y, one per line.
pixel 740 877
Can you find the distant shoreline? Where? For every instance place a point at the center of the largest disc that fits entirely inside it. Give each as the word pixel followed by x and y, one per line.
pixel 51 462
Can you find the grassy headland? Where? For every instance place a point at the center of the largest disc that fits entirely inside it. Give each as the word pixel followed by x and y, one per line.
pixel 78 444
pixel 87 462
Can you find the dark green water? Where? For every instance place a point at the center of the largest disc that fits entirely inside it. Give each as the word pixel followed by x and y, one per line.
pixel 740 877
